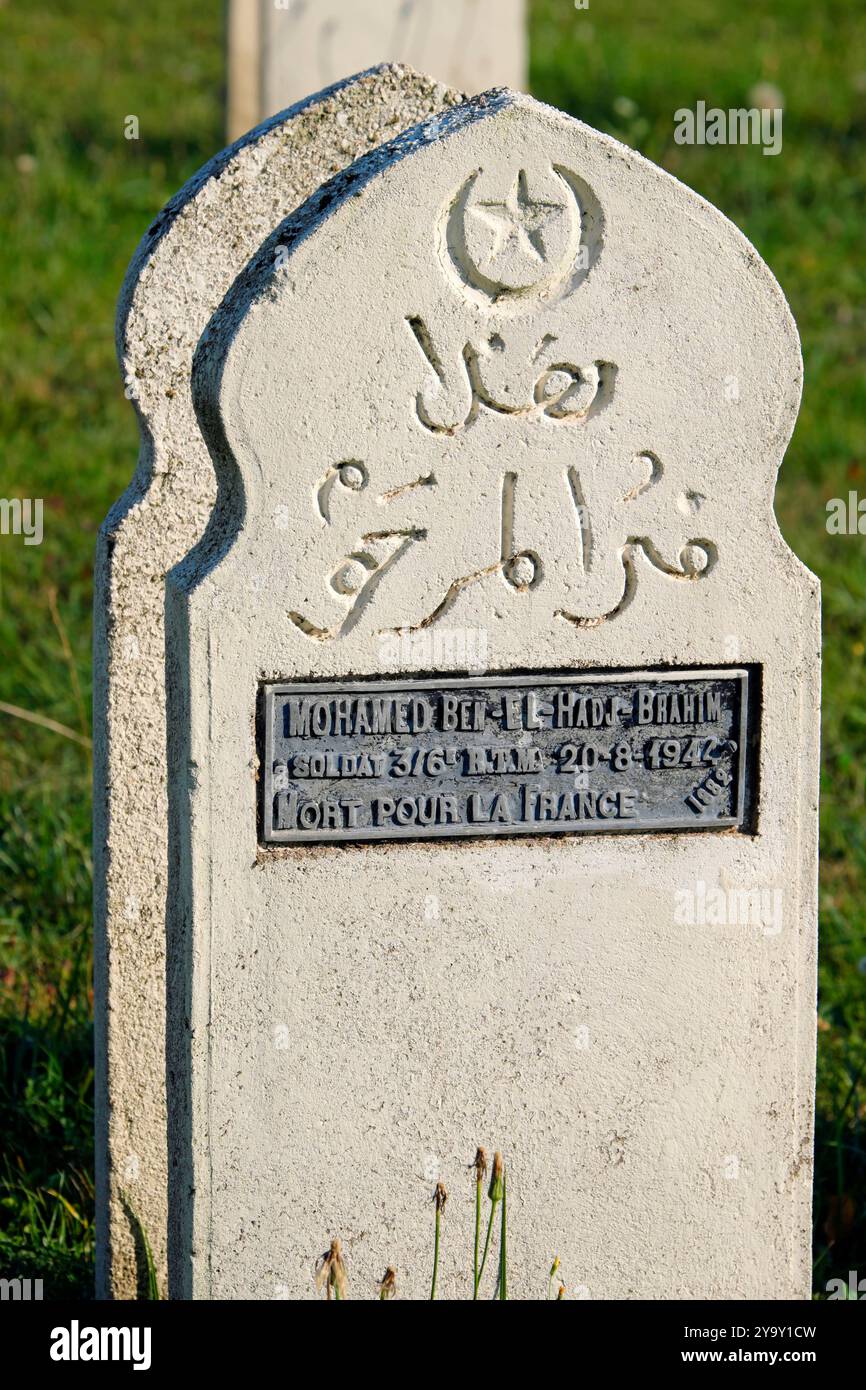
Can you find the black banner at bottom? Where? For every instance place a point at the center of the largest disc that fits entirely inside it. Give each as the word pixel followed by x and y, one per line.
pixel 81 1339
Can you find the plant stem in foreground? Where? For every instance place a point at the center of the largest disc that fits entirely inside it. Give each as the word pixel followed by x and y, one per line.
pixel 440 1197
pixel 476 1275
pixel 480 1166
pixel 494 1192
pixel 503 1261
pixel 486 1244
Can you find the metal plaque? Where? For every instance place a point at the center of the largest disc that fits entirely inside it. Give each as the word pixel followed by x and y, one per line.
pixel 505 755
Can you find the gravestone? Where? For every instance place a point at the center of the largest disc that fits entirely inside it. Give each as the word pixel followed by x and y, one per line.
pixel 277 52
pixel 184 266
pixel 505 376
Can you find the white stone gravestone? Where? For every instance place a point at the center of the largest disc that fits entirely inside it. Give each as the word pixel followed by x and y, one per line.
pixel 278 50
pixel 184 266
pixel 503 375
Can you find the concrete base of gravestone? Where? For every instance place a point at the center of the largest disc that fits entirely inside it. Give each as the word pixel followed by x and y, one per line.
pixel 484 383
pixel 183 268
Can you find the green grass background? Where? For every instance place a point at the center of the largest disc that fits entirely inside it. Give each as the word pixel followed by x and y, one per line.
pixel 75 197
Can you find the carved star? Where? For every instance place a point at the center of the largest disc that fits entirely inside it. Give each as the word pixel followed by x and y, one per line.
pixel 519 219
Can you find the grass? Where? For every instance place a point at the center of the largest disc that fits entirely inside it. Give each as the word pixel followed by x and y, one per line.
pixel 74 199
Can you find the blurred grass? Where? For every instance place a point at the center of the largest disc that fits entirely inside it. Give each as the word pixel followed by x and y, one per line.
pixel 74 199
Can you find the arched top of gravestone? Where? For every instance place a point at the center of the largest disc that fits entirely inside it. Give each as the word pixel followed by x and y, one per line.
pixel 190 254
pixel 507 316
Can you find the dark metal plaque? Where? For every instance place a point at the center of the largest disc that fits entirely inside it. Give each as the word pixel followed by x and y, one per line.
pixel 504 755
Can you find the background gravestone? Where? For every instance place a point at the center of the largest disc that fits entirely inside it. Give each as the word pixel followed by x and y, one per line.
pixel 503 374
pixel 277 52
pixel 184 266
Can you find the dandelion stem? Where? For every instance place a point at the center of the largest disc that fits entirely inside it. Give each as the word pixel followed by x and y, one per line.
pixel 503 1262
pixel 440 1197
pixel 495 1192
pixel 436 1255
pixel 476 1275
pixel 479 1163
pixel 486 1244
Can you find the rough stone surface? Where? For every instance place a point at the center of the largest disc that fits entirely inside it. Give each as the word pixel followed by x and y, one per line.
pixel 278 53
pixel 526 343
pixel 185 264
